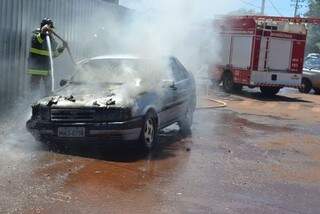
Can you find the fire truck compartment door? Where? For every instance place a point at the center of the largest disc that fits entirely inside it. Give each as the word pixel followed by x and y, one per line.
pixel 241 51
pixel 279 54
pixel 225 49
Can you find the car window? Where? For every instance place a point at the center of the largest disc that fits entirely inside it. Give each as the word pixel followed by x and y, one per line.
pixel 178 70
pixel 312 63
pixel 119 71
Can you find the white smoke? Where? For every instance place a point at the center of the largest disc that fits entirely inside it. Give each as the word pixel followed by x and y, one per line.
pixel 181 28
pixel 176 27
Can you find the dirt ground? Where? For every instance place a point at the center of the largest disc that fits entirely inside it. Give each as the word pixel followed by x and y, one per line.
pixel 257 155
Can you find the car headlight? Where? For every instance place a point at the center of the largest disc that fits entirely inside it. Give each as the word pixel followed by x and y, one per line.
pixel 126 114
pixel 35 111
pixel 115 114
pixel 40 113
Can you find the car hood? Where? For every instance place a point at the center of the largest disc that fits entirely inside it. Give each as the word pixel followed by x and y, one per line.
pixel 83 96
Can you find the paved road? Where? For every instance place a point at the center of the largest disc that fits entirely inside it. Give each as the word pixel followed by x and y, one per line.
pixel 255 156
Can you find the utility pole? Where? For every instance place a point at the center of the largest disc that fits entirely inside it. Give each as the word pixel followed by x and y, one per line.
pixel 263 6
pixel 297 5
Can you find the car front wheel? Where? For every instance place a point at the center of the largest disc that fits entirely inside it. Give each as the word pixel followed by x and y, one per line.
pixel 306 86
pixel 149 132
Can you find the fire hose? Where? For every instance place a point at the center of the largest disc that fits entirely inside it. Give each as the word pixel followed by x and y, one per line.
pixel 51 57
pixel 221 104
pixel 67 47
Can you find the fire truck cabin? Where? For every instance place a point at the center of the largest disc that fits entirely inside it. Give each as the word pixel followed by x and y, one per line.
pixel 265 52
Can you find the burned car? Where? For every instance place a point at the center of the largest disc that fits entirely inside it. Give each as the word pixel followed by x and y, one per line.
pixel 117 98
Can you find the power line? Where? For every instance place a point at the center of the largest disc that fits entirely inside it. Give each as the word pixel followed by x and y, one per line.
pixel 263 6
pixel 275 8
pixel 297 5
pixel 249 3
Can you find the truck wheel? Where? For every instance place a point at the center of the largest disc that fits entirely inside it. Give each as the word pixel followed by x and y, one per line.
pixel 317 90
pixel 269 91
pixel 214 83
pixel 306 86
pixel 228 84
pixel 149 132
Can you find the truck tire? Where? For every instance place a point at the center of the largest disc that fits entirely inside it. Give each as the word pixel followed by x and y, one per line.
pixel 269 91
pixel 228 84
pixel 306 86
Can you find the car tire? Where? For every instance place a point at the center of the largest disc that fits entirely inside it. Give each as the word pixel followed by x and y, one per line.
pixel 269 91
pixel 306 86
pixel 228 84
pixel 149 133
pixel 186 122
pixel 316 90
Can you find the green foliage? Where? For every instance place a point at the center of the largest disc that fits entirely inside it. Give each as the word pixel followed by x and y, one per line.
pixel 313 43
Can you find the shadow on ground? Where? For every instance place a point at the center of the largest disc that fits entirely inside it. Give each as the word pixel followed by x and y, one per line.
pixel 255 94
pixel 169 143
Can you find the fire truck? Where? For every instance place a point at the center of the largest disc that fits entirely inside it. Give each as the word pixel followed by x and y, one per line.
pixel 260 51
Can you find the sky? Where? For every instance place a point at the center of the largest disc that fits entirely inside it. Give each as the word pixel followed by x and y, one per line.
pixel 273 7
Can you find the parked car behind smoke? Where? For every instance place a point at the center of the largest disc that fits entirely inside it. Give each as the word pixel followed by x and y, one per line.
pixel 112 98
pixel 311 75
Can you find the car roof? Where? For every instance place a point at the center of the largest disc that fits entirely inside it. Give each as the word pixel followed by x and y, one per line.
pixel 117 57
pixel 124 57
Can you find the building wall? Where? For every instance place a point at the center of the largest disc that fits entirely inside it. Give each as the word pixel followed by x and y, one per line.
pixel 74 20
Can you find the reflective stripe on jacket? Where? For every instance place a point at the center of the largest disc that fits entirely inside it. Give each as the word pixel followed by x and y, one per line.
pixel 38 72
pixel 39 61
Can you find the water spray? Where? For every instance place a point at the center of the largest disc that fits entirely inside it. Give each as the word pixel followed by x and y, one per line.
pixel 51 61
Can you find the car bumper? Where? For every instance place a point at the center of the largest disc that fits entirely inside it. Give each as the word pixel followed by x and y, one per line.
pixel 112 131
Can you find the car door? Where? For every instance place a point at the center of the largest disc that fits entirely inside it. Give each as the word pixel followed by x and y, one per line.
pixel 166 103
pixel 311 71
pixel 181 93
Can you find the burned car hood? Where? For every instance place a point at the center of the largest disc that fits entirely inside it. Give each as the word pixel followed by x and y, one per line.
pixel 81 96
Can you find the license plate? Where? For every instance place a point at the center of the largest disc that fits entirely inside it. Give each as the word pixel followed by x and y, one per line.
pixel 71 132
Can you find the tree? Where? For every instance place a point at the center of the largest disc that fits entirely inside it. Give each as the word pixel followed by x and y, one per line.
pixel 313 42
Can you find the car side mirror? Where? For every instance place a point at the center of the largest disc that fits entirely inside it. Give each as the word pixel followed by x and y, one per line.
pixel 63 83
pixel 169 84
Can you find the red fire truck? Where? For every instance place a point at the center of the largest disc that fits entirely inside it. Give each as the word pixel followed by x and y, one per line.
pixel 260 51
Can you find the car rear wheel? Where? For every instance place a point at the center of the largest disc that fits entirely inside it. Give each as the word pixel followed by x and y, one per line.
pixel 185 123
pixel 269 91
pixel 149 132
pixel 306 86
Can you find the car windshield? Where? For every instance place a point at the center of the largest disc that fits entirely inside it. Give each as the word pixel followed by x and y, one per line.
pixel 118 71
pixel 312 63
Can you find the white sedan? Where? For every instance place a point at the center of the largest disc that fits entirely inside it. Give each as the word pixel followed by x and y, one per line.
pixel 311 75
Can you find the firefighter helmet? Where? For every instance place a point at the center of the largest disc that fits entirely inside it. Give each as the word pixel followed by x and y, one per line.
pixel 46 21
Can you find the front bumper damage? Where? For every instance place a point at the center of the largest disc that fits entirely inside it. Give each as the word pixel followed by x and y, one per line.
pixel 107 131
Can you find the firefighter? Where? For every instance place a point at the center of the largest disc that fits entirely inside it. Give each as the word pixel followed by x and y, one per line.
pixel 39 60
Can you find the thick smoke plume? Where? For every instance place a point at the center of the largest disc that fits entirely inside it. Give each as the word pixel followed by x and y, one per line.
pixel 181 28
pixel 175 27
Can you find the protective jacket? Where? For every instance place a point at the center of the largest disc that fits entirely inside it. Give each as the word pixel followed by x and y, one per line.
pixel 39 61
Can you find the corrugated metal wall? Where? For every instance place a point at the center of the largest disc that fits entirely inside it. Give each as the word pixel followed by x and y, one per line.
pixel 18 18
